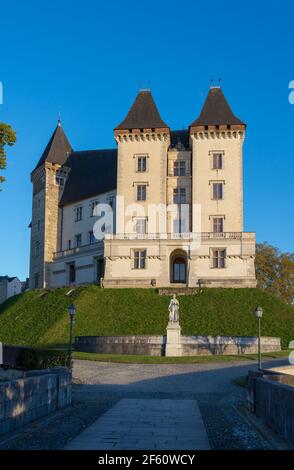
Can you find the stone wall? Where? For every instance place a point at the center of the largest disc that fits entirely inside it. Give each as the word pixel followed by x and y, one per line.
pixel 138 345
pixel 226 345
pixel 191 345
pixel 35 395
pixel 271 398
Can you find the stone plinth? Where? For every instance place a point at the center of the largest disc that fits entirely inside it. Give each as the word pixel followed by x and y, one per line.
pixel 173 340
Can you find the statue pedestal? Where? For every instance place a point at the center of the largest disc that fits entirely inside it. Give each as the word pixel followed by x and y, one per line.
pixel 173 340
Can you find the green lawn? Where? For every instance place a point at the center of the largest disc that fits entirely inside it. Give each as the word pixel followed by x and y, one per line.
pixel 40 318
pixel 128 359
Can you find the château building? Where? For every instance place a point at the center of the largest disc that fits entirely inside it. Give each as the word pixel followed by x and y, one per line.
pixel 176 197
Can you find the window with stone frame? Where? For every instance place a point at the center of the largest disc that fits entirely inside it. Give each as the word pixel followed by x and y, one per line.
pixel 79 213
pixel 217 161
pixel 141 163
pixel 217 191
pixel 140 225
pixel 218 224
pixel 179 195
pixel 179 168
pixel 219 258
pixel 140 259
pixel 141 192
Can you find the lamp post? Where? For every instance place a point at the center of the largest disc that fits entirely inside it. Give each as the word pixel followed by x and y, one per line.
pixel 72 312
pixel 258 314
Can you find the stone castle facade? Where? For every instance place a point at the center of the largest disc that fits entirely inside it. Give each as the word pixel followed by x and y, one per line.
pixel 170 204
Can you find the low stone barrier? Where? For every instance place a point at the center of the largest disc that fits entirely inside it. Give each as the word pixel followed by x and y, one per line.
pixel 137 345
pixel 37 394
pixel 191 345
pixel 271 397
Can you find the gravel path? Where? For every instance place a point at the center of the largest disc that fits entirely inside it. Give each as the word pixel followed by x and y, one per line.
pixel 99 386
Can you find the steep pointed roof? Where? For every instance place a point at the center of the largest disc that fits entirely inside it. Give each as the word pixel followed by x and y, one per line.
pixel 143 114
pixel 58 148
pixel 216 111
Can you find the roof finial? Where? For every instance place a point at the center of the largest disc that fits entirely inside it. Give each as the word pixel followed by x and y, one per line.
pixel 59 119
pixel 212 84
pixel 145 89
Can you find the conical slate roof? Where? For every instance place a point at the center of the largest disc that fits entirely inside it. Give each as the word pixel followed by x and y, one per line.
pixel 143 114
pixel 216 111
pixel 58 148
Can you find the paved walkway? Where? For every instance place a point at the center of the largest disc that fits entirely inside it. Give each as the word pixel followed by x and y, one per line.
pixel 146 424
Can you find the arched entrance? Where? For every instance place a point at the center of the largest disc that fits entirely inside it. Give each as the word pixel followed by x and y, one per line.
pixel 178 267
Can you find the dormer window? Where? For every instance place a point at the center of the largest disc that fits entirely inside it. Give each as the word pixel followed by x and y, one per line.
pixel 59 180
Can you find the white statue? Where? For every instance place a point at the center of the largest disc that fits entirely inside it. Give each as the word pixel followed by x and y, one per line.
pixel 173 309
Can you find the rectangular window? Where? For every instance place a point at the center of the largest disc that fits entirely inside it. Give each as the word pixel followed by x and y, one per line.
pixel 79 213
pixel 37 280
pixel 180 168
pixel 78 240
pixel 218 259
pixel 37 248
pixel 72 273
pixel 93 206
pixel 69 244
pixel 179 195
pixel 217 161
pixel 140 259
pixel 218 224
pixel 141 225
pixel 92 238
pixel 141 192
pixel 39 225
pixel 217 191
pixel 142 164
pixel 59 180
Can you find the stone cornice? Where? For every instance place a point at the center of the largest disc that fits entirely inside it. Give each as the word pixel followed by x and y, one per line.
pixel 142 135
pixel 222 132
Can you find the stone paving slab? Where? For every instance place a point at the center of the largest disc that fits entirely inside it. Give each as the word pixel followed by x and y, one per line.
pixel 146 424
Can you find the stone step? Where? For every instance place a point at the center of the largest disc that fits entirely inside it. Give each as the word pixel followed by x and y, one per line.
pixel 179 291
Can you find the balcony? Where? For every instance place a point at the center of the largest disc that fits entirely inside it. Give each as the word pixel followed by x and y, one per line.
pixel 78 250
pixel 190 236
pixel 182 236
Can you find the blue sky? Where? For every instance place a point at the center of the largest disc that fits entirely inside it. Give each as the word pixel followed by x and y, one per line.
pixel 88 60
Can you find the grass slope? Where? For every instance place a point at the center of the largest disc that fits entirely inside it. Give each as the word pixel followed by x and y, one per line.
pixel 40 318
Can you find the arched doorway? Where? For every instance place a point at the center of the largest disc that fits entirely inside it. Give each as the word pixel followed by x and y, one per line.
pixel 178 267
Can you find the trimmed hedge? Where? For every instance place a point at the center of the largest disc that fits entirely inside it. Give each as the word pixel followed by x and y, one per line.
pixel 34 359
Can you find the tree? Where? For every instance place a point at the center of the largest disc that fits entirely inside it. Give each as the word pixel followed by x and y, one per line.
pixel 7 137
pixel 275 271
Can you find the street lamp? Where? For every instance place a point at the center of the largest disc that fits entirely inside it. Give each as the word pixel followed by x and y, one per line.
pixel 258 314
pixel 72 313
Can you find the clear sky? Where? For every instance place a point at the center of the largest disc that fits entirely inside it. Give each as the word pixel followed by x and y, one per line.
pixel 88 60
